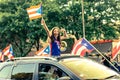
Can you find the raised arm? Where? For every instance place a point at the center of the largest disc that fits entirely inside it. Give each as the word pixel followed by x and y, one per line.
pixel 45 27
pixel 67 36
pixel 64 36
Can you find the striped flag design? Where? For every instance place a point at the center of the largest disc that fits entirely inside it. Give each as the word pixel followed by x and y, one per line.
pixel 115 50
pixel 35 12
pixel 44 51
pixel 81 47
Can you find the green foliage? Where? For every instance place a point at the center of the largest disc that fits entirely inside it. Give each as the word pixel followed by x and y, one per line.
pixel 17 29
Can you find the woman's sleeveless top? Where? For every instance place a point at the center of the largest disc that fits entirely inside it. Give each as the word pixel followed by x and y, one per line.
pixel 55 48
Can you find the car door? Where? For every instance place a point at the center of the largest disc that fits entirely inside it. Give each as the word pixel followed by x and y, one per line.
pixel 54 71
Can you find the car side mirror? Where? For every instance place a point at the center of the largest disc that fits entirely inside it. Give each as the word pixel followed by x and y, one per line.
pixel 64 78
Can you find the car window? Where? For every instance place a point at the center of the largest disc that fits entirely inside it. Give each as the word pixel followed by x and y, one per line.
pixel 4 72
pixel 23 72
pixel 50 72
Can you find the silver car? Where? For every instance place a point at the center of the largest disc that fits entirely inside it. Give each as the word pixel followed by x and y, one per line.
pixel 61 68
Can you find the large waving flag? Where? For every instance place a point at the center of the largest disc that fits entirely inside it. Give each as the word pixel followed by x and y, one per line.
pixel 115 50
pixel 35 12
pixel 44 51
pixel 81 47
pixel 8 51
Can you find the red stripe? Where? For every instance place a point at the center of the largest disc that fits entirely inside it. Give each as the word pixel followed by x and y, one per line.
pixel 114 54
pixel 39 51
pixel 33 12
pixel 83 52
pixel 76 49
pixel 11 56
pixel 2 57
pixel 35 17
pixel 8 54
pixel 115 51
pixel 6 49
pixel 77 43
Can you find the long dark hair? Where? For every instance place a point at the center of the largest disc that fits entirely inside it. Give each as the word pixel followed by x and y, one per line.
pixel 53 37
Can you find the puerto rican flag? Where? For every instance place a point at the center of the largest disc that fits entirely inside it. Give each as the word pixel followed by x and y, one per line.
pixel 115 50
pixel 8 51
pixel 44 51
pixel 35 12
pixel 81 47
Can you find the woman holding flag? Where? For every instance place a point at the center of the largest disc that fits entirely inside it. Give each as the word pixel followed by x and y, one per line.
pixel 54 38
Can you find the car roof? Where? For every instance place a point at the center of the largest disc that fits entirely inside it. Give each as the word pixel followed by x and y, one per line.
pixel 36 59
pixel 42 58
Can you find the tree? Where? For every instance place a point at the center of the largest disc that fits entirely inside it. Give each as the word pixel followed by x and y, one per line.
pixel 16 27
pixel 23 34
pixel 102 13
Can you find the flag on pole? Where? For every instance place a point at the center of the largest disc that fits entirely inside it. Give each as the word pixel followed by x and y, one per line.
pixel 81 47
pixel 1 56
pixel 44 51
pixel 8 51
pixel 35 12
pixel 115 50
pixel 11 54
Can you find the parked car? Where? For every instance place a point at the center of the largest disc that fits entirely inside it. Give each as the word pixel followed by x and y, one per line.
pixel 61 68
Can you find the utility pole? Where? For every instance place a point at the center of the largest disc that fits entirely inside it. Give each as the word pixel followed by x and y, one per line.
pixel 83 22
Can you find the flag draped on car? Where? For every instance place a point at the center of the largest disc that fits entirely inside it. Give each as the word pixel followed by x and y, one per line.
pixel 35 12
pixel 8 51
pixel 115 50
pixel 81 47
pixel 44 51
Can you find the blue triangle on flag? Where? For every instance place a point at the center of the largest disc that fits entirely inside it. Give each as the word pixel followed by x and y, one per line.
pixel 11 51
pixel 39 10
pixel 47 50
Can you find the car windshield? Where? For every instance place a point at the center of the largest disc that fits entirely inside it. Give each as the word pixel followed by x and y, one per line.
pixel 88 69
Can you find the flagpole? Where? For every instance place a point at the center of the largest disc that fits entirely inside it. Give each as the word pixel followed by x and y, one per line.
pixel 83 24
pixel 101 54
